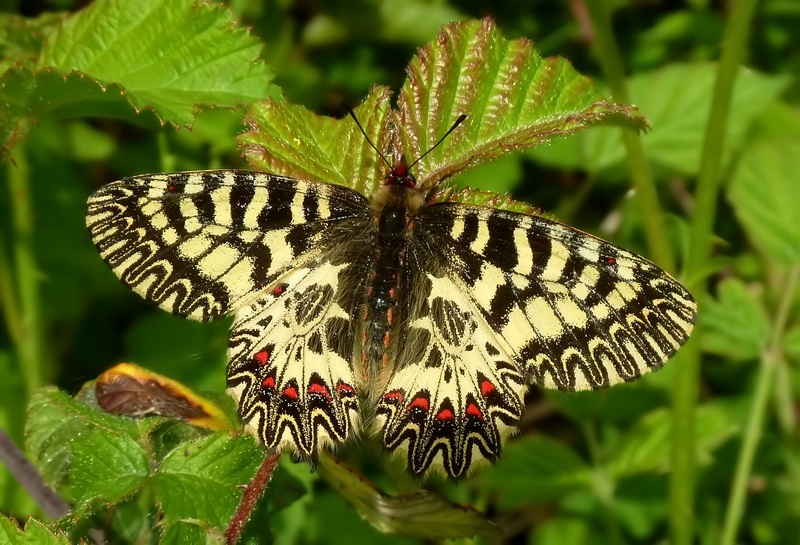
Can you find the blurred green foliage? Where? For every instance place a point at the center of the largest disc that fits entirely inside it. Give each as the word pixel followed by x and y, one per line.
pixel 587 468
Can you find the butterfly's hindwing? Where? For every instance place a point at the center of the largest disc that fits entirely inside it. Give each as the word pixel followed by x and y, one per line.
pixel 575 312
pixel 199 244
pixel 454 393
pixel 291 356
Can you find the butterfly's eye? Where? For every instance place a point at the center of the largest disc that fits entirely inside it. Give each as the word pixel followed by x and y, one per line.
pixel 396 177
pixel 400 175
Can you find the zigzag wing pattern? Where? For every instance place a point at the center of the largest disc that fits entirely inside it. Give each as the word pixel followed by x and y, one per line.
pixel 455 392
pixel 271 250
pixel 200 244
pixel 291 354
pixel 442 314
pixel 574 312
pixel 498 300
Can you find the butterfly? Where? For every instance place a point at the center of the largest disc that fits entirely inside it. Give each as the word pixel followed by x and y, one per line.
pixel 425 320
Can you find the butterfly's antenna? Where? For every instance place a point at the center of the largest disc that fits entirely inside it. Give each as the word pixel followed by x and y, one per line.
pixel 458 122
pixel 350 111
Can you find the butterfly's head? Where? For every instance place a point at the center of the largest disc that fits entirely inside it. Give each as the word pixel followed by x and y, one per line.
pixel 400 174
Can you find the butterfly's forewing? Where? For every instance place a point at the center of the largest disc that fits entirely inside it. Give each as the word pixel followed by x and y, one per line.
pixel 504 300
pixel 576 312
pixel 199 244
pixel 262 248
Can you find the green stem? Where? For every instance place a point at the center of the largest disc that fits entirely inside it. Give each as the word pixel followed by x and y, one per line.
pixel 686 385
pixel 770 361
pixel 569 206
pixel 603 485
pixel 8 297
pixel 29 342
pixel 653 218
pixel 685 389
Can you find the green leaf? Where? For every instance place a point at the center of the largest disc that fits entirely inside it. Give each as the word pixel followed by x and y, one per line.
pixel 292 141
pixel 678 114
pixel 168 56
pixel 35 533
pixel 26 96
pixel 647 446
pixel 764 194
pixel 513 99
pixel 21 38
pixel 202 479
pixel 55 420
pixel 180 533
pixel 734 323
pixel 535 468
pixel 107 467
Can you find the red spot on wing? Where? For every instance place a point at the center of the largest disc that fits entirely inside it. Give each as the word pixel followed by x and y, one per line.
pixel 268 383
pixel 315 388
pixel 473 410
pixel 262 357
pixel 487 388
pixel 171 188
pixel 418 403
pixel 608 260
pixel 389 317
pixel 445 414
pixel 290 392
pixel 279 289
pixel 395 397
pixel 345 390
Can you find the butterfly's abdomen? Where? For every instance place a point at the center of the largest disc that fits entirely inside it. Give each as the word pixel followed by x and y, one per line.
pixel 382 294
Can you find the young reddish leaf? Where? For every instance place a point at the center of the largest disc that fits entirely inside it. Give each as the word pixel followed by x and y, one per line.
pixel 292 141
pixel 513 99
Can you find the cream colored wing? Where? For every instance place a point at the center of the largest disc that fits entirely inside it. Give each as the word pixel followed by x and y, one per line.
pixel 291 355
pixel 494 301
pixel 200 244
